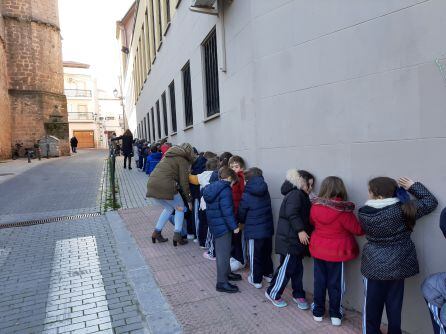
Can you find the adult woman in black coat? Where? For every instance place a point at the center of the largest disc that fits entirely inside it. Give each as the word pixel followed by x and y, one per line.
pixel 127 147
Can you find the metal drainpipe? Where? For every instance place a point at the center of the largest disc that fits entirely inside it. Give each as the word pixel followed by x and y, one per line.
pixel 221 10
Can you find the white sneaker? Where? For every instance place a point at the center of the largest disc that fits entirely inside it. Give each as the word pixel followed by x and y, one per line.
pixel 236 265
pixel 318 319
pixel 190 237
pixel 336 321
pixel 255 285
pixel 268 279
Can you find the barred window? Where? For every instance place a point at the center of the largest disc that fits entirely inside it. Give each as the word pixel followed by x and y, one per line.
pixel 148 128
pixel 189 116
pixel 211 74
pixel 145 129
pixel 153 124
pixel 173 111
pixel 158 119
pixel 166 129
pixel 167 2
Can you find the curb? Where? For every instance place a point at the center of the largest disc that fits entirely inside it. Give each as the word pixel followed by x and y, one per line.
pixel 158 315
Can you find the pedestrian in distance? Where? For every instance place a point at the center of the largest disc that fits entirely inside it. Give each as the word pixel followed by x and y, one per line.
pixel 135 152
pixel 332 243
pixel 292 238
pixel 127 147
pixel 389 256
pixel 434 291
pixel 169 177
pixel 221 220
pixel 256 215
pixel 73 143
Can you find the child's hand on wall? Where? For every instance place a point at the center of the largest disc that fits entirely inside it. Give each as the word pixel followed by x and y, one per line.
pixel 405 182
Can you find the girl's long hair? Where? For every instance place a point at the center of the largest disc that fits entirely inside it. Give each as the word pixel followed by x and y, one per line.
pixel 386 188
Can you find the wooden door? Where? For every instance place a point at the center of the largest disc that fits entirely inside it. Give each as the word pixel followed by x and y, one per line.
pixel 85 139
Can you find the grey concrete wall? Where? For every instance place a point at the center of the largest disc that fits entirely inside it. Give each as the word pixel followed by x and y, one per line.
pixel 347 88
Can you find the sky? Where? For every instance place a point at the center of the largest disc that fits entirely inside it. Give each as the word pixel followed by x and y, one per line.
pixel 88 29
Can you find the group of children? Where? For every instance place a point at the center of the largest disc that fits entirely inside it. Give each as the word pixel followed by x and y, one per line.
pixel 232 219
pixel 148 156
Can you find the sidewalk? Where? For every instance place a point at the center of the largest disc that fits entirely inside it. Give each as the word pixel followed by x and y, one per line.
pixel 187 281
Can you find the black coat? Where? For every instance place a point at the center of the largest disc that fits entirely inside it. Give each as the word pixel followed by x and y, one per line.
pixel 127 144
pixel 73 141
pixel 294 217
pixel 255 210
pixel 390 253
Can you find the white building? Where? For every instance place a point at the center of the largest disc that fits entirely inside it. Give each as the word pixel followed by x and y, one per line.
pixel 355 89
pixel 93 114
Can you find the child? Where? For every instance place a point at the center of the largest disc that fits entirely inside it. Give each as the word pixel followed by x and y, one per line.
pixel 202 180
pixel 256 215
pixel 153 159
pixel 237 164
pixel 332 243
pixel 198 167
pixel 389 257
pixel 292 238
pixel 434 291
pixel 220 216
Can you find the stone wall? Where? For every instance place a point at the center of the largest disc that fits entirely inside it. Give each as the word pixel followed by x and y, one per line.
pixel 35 70
pixel 5 116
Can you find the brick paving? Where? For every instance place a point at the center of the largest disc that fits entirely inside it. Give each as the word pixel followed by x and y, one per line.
pixel 65 277
pixel 132 185
pixel 187 280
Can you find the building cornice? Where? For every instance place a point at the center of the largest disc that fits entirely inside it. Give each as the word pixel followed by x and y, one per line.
pixel 30 19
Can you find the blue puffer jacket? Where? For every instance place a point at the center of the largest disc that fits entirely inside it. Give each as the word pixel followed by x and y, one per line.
pixel 255 210
pixel 219 208
pixel 198 167
pixel 152 161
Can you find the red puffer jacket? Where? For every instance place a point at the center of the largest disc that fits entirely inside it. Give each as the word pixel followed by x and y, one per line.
pixel 335 226
pixel 237 191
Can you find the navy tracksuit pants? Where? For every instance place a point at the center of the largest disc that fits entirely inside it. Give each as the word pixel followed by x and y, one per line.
pixel 291 267
pixel 377 295
pixel 202 227
pixel 437 325
pixel 328 276
pixel 260 261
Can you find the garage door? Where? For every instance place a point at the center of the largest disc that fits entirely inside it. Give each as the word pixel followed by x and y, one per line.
pixel 85 139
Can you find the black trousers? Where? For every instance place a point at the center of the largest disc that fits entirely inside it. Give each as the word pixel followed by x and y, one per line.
pixel 237 248
pixel 202 227
pixel 291 267
pixel 260 260
pixel 377 295
pixel 129 158
pixel 328 276
pixel 223 250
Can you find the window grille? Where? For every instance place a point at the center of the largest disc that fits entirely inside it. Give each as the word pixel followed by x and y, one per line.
pixel 173 110
pixel 211 74
pixel 188 111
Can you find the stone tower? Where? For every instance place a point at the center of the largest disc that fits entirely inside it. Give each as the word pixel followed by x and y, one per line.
pixel 34 72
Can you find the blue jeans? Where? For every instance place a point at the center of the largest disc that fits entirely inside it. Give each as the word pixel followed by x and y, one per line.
pixel 169 206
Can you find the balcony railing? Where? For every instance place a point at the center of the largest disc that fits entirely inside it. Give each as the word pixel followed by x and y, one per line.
pixel 80 116
pixel 77 93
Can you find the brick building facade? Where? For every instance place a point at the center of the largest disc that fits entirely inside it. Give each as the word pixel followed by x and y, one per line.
pixel 32 96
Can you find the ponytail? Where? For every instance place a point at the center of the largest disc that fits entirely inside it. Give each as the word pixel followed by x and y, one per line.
pixel 409 213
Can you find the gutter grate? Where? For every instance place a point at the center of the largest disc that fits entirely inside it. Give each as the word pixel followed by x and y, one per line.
pixel 49 220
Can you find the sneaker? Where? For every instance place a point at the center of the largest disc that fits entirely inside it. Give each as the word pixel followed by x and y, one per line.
pixel 203 247
pixel 318 319
pixel 236 265
pixel 336 321
pixel 190 237
pixel 206 255
pixel 255 285
pixel 195 240
pixel 301 303
pixel 268 278
pixel 277 303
